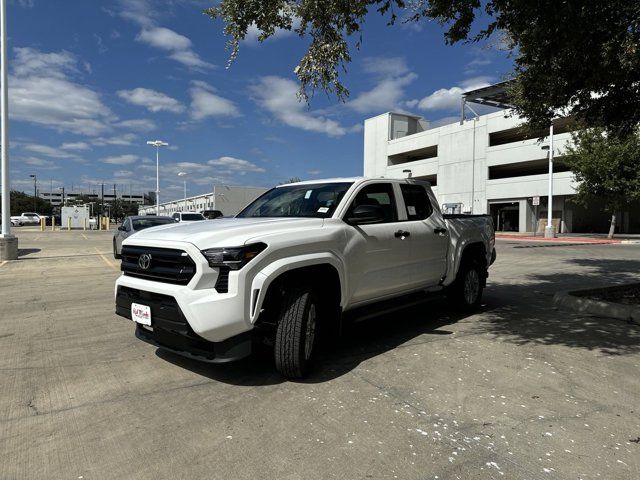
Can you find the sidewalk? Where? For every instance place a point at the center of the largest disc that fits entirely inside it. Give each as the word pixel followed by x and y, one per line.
pixel 570 238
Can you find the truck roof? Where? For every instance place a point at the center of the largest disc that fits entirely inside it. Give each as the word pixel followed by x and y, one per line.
pixel 352 180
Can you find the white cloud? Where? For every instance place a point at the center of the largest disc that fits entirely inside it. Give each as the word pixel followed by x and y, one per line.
pixel 40 163
pixel 385 66
pixel 164 38
pixel 277 95
pixel 121 159
pixel 122 173
pixel 314 172
pixel 385 96
pixel 205 103
pixel 152 100
pixel 393 76
pixel 120 140
pixel 171 41
pixel 47 151
pixel 75 146
pixel 43 92
pixel 449 98
pixel 140 124
pixel 235 165
pixel 253 32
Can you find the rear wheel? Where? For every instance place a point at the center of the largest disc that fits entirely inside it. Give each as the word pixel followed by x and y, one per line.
pixel 296 332
pixel 466 292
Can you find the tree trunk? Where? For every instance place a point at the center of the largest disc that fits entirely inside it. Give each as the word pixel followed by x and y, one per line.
pixel 612 228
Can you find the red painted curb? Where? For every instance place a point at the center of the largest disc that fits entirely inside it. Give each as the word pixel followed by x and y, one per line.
pixel 557 240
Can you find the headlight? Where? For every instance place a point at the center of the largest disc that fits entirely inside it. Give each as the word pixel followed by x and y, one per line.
pixel 232 257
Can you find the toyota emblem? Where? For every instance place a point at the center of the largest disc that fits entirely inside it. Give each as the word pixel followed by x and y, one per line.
pixel 144 261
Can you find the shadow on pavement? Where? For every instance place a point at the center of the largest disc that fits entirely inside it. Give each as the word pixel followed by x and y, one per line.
pixel 523 313
pixel 359 342
pixel 27 251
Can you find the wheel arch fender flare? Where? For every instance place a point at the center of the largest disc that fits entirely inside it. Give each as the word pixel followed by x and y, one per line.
pixel 264 278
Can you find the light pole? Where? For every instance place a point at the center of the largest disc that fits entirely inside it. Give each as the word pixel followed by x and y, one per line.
pixel 184 174
pixel 8 243
pixel 549 231
pixel 157 144
pixel 35 192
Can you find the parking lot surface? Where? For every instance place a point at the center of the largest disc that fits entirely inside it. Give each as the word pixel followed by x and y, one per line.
pixel 517 391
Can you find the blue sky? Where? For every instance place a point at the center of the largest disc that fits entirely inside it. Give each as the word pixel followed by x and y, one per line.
pixel 90 82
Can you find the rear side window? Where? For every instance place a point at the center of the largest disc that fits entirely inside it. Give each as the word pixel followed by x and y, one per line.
pixel 416 202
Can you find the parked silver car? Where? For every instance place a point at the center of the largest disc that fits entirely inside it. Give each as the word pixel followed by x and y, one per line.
pixel 134 224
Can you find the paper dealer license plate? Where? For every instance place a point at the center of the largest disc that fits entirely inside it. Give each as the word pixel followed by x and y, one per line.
pixel 141 313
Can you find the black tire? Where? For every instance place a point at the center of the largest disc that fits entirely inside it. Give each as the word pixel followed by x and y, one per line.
pixel 115 252
pixel 294 347
pixel 465 293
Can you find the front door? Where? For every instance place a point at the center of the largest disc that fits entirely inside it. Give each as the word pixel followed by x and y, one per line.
pixel 378 257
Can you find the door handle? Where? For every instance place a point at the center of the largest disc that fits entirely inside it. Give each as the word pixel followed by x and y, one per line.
pixel 401 234
pixel 440 231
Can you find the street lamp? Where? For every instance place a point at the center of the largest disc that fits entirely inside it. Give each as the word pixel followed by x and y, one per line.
pixel 35 192
pixel 157 144
pixel 184 174
pixel 549 231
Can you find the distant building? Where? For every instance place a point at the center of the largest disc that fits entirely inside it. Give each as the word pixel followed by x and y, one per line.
pixel 55 197
pixel 487 165
pixel 228 199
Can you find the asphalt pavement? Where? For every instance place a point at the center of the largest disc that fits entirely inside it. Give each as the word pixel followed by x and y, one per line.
pixel 517 391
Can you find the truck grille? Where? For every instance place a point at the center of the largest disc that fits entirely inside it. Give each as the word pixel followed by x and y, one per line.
pixel 164 265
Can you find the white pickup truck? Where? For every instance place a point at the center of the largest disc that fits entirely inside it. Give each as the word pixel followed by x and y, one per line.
pixel 295 261
pixel 27 218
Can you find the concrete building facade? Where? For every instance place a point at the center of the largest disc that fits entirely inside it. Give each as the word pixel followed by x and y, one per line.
pixel 486 165
pixel 55 197
pixel 228 199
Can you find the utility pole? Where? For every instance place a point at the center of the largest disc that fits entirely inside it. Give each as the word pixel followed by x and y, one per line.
pixel 35 192
pixel 549 231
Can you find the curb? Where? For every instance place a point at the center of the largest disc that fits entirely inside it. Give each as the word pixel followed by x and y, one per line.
pixel 577 301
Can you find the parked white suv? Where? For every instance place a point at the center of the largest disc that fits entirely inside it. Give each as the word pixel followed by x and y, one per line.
pixel 298 258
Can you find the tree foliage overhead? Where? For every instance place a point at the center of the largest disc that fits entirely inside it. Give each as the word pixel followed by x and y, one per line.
pixel 580 54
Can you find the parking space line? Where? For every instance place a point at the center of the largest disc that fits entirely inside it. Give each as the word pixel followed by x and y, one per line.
pixel 2 263
pixel 84 236
pixel 106 260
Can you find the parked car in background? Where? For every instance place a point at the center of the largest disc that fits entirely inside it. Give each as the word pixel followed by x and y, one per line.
pixel 211 214
pixel 134 224
pixel 187 217
pixel 27 218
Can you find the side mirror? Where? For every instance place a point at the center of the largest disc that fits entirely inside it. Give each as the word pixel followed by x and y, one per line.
pixel 366 215
pixel 122 228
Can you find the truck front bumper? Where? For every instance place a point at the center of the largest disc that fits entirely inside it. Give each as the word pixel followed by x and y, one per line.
pixel 171 331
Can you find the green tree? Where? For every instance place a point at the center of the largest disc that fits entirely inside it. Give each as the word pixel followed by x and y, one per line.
pixel 22 202
pixel 579 56
pixel 606 167
pixel 291 180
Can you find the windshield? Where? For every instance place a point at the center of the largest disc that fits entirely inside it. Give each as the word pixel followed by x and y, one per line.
pixel 142 223
pixel 192 216
pixel 317 200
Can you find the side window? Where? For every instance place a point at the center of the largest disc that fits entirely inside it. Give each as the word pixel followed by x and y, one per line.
pixel 377 194
pixel 416 201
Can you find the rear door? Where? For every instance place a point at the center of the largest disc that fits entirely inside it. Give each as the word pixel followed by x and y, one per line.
pixel 429 239
pixel 378 258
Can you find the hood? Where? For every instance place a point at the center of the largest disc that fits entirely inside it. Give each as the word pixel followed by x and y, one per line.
pixel 222 232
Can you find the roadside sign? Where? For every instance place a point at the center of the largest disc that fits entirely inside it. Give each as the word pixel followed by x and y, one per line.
pixel 536 201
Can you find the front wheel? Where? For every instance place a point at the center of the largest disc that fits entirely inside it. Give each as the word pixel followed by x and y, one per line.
pixel 296 333
pixel 466 292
